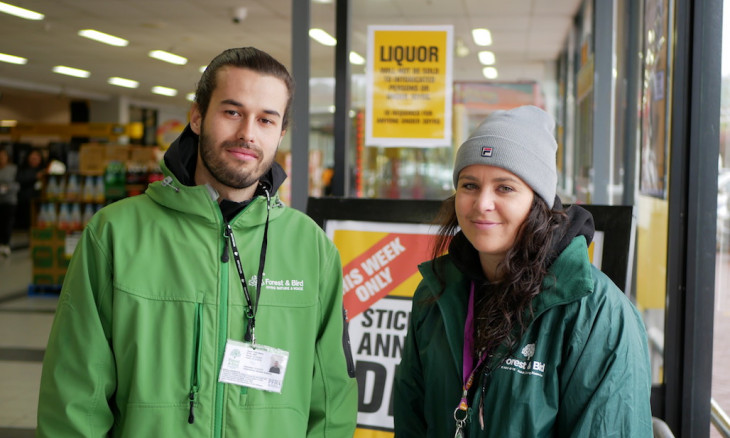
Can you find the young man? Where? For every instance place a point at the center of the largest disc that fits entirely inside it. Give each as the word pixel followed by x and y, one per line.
pixel 176 301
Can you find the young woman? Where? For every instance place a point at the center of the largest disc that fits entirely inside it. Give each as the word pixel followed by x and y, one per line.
pixel 513 333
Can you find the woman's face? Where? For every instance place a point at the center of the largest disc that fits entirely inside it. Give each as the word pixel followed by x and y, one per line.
pixel 34 159
pixel 491 205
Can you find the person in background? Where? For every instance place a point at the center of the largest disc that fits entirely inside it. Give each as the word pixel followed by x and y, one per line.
pixel 513 332
pixel 30 178
pixel 173 298
pixel 8 200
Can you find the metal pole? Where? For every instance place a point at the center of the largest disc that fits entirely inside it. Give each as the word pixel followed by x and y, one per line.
pixel 341 178
pixel 299 124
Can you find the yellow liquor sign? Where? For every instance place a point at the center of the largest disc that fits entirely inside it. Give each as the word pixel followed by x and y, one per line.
pixel 409 86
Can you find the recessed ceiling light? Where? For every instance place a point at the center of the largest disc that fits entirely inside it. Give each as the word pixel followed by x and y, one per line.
pixel 202 68
pixel 482 37
pixel 168 57
pixel 121 82
pixel 12 59
pixel 490 72
pixel 486 57
pixel 103 37
pixel 20 12
pixel 190 97
pixel 322 37
pixel 70 71
pixel 165 91
pixel 356 58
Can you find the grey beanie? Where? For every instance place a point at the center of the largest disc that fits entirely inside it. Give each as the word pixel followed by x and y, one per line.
pixel 519 140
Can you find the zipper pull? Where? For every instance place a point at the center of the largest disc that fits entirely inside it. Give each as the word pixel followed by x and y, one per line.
pixel 191 416
pixel 224 256
pixel 481 410
pixel 167 182
pixel 485 382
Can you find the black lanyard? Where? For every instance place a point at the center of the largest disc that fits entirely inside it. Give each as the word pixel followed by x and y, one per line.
pixel 251 306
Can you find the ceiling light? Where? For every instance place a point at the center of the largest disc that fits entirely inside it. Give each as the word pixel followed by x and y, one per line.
pixel 121 82
pixel 486 57
pixel 168 57
pixel 165 91
pixel 20 12
pixel 70 71
pixel 8 123
pixel 202 68
pixel 190 97
pixel 482 37
pixel 322 37
pixel 103 37
pixel 489 72
pixel 356 59
pixel 12 59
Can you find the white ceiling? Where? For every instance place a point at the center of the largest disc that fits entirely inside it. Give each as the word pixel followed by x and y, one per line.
pixel 528 35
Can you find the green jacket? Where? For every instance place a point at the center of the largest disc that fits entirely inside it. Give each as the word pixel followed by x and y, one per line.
pixel 580 370
pixel 147 307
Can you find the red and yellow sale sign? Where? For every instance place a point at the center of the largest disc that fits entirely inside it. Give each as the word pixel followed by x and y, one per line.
pixel 380 273
pixel 389 264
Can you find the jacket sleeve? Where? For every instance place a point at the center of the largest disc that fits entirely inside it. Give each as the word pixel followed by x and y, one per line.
pixel 606 380
pixel 79 372
pixel 408 393
pixel 333 409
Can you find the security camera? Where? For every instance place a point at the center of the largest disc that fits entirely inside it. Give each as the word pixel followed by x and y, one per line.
pixel 239 14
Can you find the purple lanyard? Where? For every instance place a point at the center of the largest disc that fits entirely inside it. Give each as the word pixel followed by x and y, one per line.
pixel 461 411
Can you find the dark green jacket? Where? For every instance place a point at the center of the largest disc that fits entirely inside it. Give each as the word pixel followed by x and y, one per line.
pixel 581 369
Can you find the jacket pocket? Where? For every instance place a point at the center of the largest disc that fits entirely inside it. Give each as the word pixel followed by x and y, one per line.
pixel 195 363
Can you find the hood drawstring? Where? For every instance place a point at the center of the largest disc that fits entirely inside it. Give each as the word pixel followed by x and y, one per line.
pixel 167 182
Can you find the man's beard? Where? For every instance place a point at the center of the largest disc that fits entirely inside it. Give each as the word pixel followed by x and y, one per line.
pixel 224 171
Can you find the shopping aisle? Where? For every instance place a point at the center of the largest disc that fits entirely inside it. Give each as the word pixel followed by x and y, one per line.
pixel 24 324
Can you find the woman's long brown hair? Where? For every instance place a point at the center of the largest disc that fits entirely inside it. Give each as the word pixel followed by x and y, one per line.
pixel 503 307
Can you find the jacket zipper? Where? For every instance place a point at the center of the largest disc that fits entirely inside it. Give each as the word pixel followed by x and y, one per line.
pixel 222 333
pixel 194 383
pixel 346 344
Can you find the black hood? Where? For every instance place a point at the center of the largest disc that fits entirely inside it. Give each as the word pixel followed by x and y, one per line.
pixel 182 156
pixel 579 222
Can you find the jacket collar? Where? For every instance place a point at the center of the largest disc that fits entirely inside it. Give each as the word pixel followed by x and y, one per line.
pixel 452 303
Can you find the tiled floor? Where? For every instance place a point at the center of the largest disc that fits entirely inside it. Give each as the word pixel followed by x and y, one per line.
pixel 25 321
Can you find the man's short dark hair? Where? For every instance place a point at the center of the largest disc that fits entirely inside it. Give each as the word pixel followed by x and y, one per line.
pixel 243 57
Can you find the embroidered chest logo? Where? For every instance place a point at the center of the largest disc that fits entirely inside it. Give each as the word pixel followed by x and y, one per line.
pixel 269 284
pixel 527 366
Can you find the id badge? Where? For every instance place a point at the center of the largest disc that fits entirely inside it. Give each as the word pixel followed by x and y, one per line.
pixel 255 366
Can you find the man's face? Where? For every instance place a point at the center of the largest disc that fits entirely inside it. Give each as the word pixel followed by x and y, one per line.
pixel 241 131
